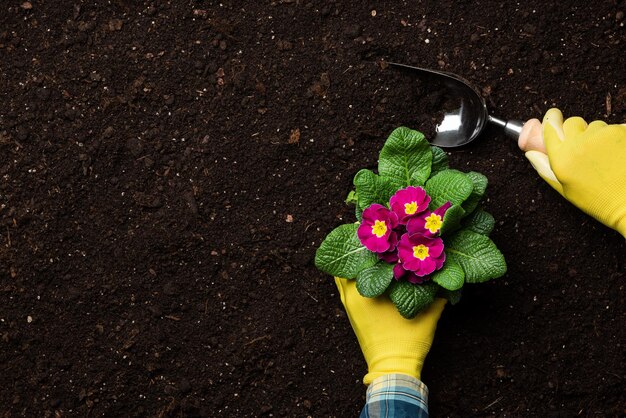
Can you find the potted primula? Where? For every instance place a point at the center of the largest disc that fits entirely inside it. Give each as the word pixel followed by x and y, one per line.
pixel 420 231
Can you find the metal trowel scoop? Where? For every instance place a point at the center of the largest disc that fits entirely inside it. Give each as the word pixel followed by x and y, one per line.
pixel 465 115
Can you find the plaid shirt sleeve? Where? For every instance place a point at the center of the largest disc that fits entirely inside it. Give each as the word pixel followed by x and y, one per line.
pixel 396 395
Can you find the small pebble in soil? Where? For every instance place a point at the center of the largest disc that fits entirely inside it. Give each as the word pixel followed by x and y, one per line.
pixel 108 132
pixel 169 99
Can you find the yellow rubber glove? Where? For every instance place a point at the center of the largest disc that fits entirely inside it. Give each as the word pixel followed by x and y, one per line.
pixel 389 342
pixel 586 163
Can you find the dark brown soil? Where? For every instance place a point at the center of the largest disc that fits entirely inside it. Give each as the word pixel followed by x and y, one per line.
pixel 169 168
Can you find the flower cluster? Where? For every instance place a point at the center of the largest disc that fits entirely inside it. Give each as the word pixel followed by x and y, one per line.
pixel 406 234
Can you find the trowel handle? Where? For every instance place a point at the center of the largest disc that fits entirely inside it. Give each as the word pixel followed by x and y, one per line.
pixel 512 128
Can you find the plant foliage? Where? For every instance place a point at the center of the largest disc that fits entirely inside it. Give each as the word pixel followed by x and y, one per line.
pixel 405 160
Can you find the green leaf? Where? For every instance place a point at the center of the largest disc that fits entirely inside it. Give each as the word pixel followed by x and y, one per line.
pixel 405 158
pixel 477 254
pixel 480 185
pixel 358 212
pixel 352 198
pixel 452 219
pixel 341 253
pixel 450 277
pixel 373 281
pixel 480 222
pixel 440 160
pixel 448 185
pixel 372 188
pixel 412 298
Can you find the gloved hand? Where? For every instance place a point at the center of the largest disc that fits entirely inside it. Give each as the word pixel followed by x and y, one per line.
pixel 389 342
pixel 586 163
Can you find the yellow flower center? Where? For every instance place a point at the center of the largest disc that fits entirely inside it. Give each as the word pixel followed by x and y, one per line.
pixel 433 223
pixel 421 252
pixel 379 228
pixel 410 208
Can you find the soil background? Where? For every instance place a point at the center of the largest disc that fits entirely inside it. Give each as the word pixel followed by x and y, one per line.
pixel 170 167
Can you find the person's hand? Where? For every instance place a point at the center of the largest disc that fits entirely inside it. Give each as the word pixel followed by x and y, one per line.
pixel 586 163
pixel 389 342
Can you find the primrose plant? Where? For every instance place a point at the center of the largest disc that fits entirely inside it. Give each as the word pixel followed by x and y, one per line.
pixel 420 233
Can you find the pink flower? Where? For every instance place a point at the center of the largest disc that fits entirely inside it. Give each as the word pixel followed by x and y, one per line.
pixel 428 223
pixel 409 202
pixel 420 254
pixel 390 256
pixel 411 277
pixel 376 230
